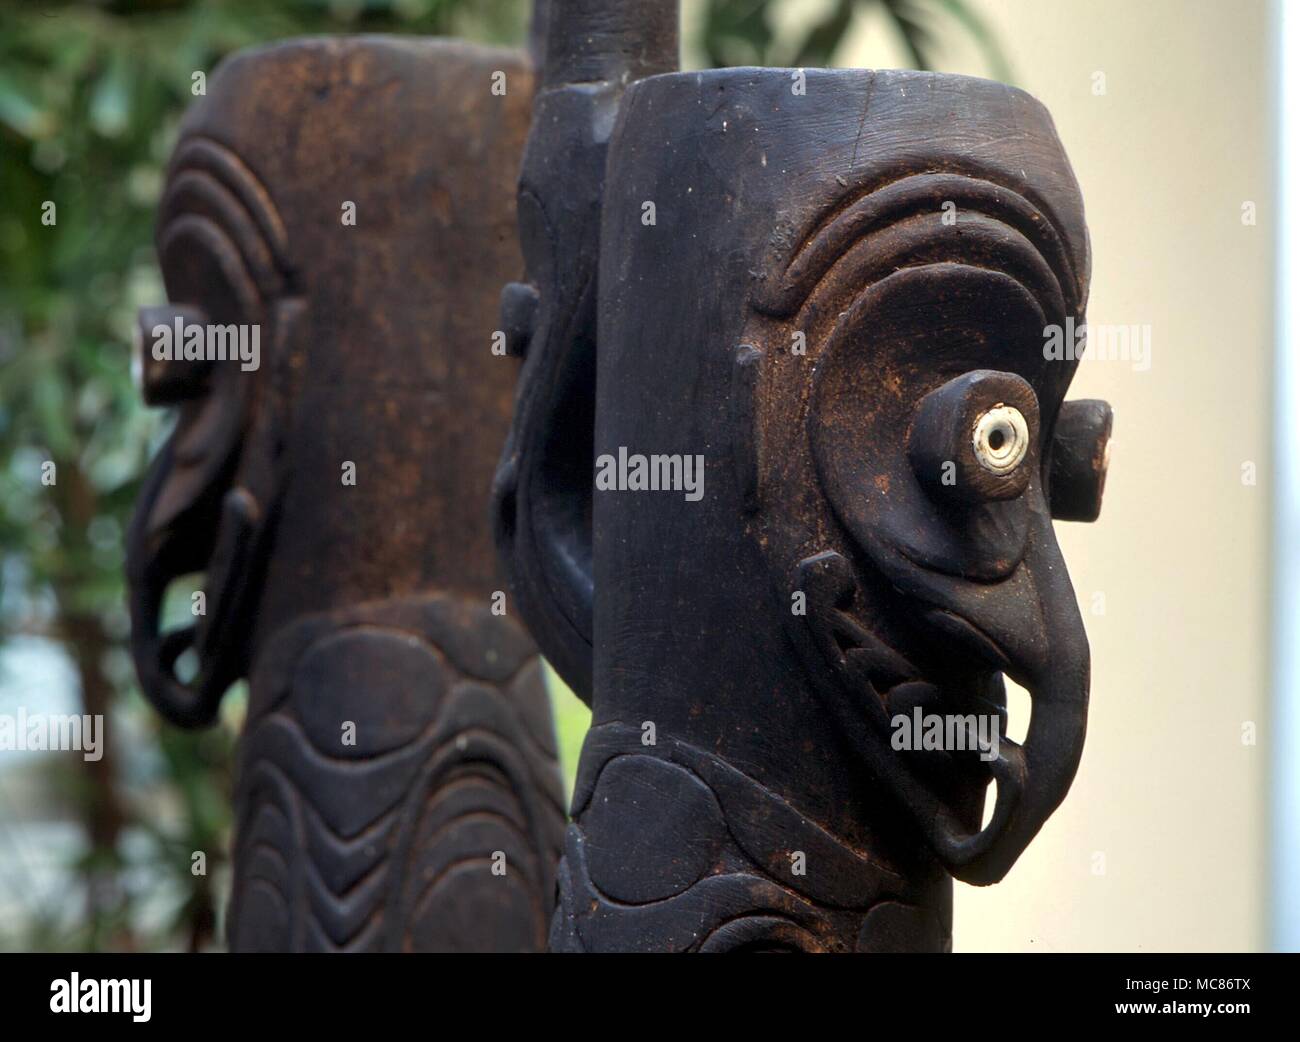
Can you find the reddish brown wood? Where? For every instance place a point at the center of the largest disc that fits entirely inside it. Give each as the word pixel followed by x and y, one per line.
pixel 399 753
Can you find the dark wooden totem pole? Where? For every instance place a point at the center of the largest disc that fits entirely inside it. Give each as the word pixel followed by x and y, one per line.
pixel 344 211
pixel 783 469
pixel 778 492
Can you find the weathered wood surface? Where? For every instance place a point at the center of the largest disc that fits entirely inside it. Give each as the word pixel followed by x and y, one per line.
pixel 398 746
pixel 881 436
pixel 589 50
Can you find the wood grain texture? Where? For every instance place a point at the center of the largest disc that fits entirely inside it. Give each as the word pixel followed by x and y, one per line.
pixel 801 313
pixel 397 785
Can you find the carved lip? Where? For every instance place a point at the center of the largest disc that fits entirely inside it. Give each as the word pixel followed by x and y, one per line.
pixel 969 634
pixel 888 672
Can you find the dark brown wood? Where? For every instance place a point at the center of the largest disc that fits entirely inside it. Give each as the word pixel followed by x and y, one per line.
pixel 1080 457
pixel 541 498
pixel 397 784
pixel 844 289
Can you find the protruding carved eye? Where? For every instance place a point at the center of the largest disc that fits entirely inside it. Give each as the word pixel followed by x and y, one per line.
pixel 1001 439
pixel 971 436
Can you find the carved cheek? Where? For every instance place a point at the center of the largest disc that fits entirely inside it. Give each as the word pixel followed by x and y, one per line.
pixel 923 453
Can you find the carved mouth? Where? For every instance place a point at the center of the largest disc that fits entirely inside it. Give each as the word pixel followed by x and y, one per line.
pixel 901 688
pixel 969 636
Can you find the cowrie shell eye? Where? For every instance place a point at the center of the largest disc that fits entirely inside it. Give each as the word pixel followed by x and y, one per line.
pixel 1001 439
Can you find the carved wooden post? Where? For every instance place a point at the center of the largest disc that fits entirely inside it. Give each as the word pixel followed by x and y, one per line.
pixel 828 445
pixel 352 201
pixel 541 502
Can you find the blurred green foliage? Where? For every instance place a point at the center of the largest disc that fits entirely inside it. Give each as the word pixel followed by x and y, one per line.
pixel 749 32
pixel 90 98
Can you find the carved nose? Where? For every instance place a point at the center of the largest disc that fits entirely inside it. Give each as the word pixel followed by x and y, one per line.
pixel 1031 629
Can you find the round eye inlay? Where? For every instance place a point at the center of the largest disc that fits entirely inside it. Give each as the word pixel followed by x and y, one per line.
pixel 1001 439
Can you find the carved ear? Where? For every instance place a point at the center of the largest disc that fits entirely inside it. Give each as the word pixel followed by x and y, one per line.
pixel 171 534
pixel 208 506
pixel 542 493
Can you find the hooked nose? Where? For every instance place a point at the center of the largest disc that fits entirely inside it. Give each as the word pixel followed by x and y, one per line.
pixel 1030 628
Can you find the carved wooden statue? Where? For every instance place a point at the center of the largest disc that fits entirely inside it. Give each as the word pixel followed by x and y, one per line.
pixel 782 475
pixel 346 208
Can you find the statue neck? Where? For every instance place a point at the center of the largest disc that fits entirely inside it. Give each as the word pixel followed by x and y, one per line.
pixel 377 502
pixel 397 779
pixel 714 785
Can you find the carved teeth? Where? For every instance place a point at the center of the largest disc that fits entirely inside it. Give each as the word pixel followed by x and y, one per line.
pixel 869 659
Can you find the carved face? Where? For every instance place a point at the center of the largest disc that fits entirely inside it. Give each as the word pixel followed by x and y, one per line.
pixel 938 443
pixel 365 306
pixel 847 306
pixel 206 497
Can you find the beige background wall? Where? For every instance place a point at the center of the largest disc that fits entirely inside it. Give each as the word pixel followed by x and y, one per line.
pixel 1167 793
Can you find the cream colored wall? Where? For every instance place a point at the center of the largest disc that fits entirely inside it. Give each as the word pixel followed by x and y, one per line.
pixel 1167 794
pixel 1167 791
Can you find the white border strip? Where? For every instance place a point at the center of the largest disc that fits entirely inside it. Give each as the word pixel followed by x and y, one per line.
pixel 1285 774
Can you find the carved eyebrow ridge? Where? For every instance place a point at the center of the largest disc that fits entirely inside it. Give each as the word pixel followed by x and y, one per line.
pixel 783 293
pixel 207 176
